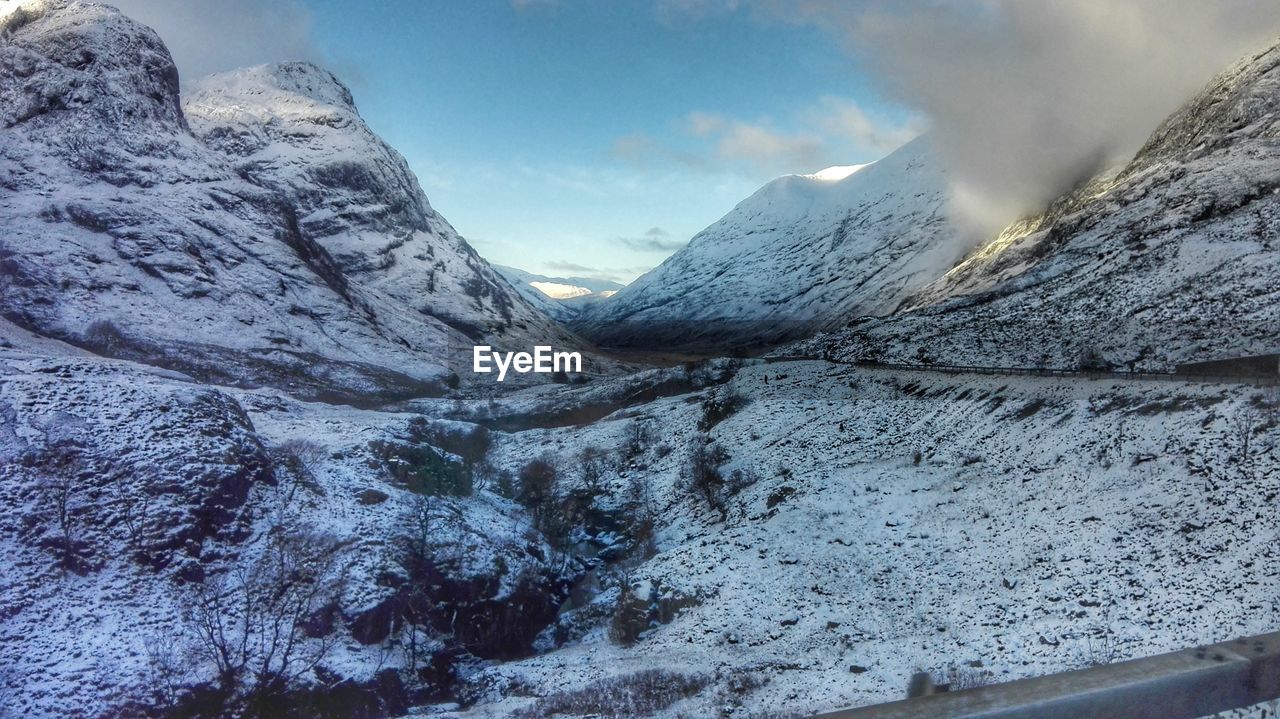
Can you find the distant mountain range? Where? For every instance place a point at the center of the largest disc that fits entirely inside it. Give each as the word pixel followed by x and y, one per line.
pixel 561 298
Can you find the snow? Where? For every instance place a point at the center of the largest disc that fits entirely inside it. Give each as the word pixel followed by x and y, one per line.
pixel 830 247
pixel 835 173
pixel 561 298
pixel 254 249
pixel 1091 514
pixel 198 236
pixel 558 291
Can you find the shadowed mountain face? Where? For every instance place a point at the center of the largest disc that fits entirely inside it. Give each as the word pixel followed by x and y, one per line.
pixel 263 235
pixel 1172 258
pixel 803 254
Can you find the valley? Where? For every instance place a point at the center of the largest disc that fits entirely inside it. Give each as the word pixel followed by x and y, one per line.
pixel 247 470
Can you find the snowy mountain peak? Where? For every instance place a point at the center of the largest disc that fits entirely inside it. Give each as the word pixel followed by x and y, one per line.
pixel 87 61
pixel 278 88
pixel 1239 104
pixel 1170 259
pixel 274 240
pixel 804 253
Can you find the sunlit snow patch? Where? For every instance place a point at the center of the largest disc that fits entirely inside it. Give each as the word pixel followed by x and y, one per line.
pixel 836 173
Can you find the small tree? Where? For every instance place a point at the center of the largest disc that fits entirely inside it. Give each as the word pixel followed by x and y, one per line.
pixel 1243 425
pixel 593 465
pixel 415 554
pixel 703 471
pixel 639 436
pixel 537 484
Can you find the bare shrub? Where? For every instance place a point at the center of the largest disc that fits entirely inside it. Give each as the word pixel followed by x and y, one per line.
pixel 964 677
pixel 1097 646
pixel 104 337
pixel 733 691
pixel 643 513
pixel 296 462
pixel 415 554
pixel 537 491
pixel 262 626
pixel 538 479
pixel 631 695
pixel 168 671
pixel 62 467
pixel 639 436
pixel 719 406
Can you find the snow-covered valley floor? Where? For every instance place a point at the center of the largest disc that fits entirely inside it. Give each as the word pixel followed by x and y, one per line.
pixel 884 523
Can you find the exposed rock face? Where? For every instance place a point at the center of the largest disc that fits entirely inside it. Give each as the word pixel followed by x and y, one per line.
pixel 805 253
pixel 1172 258
pixel 115 465
pixel 292 249
pixel 294 128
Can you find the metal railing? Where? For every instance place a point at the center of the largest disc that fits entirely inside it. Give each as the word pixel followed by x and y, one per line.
pixel 1186 684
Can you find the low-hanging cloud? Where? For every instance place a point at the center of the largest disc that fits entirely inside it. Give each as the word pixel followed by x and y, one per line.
pixel 1028 98
pixel 830 131
pixel 655 239
pixel 207 36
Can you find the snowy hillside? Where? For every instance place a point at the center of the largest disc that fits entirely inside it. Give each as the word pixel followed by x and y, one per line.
pixel 1171 258
pixel 139 503
pixel 856 526
pixel 562 298
pixel 804 253
pixel 281 243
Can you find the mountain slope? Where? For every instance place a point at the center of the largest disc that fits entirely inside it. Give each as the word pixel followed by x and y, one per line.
pixel 1172 258
pixel 804 253
pixel 293 248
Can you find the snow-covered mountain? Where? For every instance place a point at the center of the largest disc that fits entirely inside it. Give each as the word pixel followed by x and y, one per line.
pixel 1173 257
pixel 803 254
pixel 264 234
pixel 561 298
pixel 739 538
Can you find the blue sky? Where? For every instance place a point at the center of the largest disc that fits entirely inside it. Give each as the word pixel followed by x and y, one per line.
pixel 592 136
pixel 588 137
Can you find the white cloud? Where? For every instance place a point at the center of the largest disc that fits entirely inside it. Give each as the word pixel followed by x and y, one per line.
pixel 1027 98
pixel 208 36
pixel 831 131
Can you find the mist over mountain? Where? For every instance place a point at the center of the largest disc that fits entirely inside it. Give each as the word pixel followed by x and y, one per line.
pixel 1170 258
